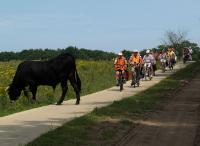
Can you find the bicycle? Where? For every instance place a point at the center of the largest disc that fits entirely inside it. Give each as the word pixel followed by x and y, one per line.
pixel 148 71
pixel 135 75
pixel 120 69
pixel 163 64
pixel 170 64
pixel 121 80
pixel 185 58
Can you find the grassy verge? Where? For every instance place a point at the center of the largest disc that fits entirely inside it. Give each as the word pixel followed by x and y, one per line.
pixel 106 125
pixel 95 76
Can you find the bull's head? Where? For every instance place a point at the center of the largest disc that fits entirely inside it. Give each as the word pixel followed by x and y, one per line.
pixel 13 92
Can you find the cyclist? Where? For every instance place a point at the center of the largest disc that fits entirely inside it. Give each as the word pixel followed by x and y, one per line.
pixel 171 57
pixel 148 61
pixel 190 53
pixel 186 53
pixel 163 59
pixel 135 62
pixel 120 64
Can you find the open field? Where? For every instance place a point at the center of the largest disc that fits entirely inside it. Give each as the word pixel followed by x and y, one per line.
pixel 95 76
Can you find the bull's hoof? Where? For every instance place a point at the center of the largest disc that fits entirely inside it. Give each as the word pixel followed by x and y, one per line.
pixel 77 103
pixel 12 101
pixel 33 101
pixel 58 103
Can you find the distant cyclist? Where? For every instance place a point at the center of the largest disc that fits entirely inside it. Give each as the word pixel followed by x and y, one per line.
pixel 190 53
pixel 135 62
pixel 163 60
pixel 186 51
pixel 171 57
pixel 186 54
pixel 148 61
pixel 120 64
pixel 163 55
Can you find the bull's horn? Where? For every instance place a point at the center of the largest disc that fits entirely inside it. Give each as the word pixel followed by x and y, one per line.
pixel 7 88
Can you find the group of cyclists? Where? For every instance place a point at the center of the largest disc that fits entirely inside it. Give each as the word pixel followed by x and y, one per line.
pixel 144 67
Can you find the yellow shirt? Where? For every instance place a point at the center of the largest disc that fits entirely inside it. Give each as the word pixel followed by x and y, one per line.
pixel 170 54
pixel 135 59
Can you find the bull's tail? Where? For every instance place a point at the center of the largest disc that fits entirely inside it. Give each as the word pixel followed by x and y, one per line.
pixel 78 81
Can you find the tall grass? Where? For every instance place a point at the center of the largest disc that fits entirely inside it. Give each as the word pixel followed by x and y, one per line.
pixel 95 76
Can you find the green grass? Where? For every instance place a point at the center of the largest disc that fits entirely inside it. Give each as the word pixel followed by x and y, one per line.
pixel 98 125
pixel 95 76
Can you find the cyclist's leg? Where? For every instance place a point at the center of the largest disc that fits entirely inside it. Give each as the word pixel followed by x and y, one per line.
pixel 190 57
pixel 151 71
pixel 166 63
pixel 133 75
pixel 172 62
pixel 145 71
pixel 127 74
pixel 169 63
pixel 137 74
pixel 124 76
pixel 154 69
pixel 117 78
pixel 142 71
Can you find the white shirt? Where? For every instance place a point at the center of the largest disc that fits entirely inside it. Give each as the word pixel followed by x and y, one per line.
pixel 148 59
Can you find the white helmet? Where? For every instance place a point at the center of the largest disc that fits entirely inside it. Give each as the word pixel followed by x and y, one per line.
pixel 147 51
pixel 120 54
pixel 135 51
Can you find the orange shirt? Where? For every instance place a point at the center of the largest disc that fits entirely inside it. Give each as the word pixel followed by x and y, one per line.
pixel 120 63
pixel 135 59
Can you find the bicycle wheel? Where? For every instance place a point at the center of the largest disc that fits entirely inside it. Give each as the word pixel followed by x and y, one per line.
pixel 163 67
pixel 121 81
pixel 149 73
pixel 133 79
pixel 145 74
pixel 138 77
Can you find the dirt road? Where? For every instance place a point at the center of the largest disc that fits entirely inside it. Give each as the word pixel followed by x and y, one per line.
pixel 177 123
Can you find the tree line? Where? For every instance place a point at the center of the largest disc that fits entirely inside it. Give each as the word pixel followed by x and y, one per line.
pixel 44 54
pixel 176 40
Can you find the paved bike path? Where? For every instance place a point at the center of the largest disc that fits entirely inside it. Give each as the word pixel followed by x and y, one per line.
pixel 21 128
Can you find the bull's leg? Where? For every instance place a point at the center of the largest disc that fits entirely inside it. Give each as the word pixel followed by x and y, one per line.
pixel 76 89
pixel 25 92
pixel 64 91
pixel 33 90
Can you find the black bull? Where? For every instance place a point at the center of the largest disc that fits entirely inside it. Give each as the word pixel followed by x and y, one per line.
pixel 31 74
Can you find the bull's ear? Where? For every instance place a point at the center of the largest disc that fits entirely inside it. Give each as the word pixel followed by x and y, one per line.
pixel 7 88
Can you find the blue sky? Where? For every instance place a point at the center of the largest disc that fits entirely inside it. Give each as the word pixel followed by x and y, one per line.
pixel 110 25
